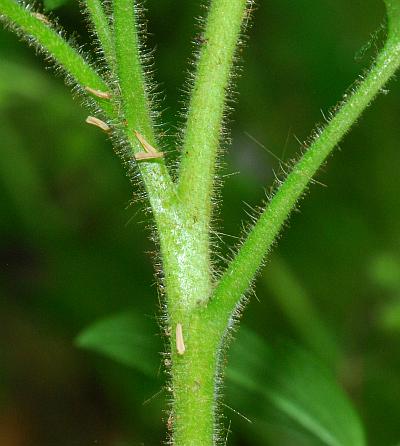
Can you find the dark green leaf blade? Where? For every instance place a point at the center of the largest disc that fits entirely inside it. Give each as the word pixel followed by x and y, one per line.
pixel 298 386
pixel 126 338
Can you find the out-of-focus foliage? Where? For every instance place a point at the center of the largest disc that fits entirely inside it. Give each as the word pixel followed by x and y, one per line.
pixel 74 246
pixel 298 386
pixel 292 381
pixel 125 338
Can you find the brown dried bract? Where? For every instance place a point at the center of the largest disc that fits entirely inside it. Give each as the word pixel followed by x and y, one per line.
pixel 41 17
pixel 170 422
pixel 149 151
pixel 148 156
pixel 180 344
pixel 98 123
pixel 98 93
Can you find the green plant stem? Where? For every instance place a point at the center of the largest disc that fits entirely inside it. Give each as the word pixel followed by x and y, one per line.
pixel 102 28
pixel 155 174
pixel 194 378
pixel 195 373
pixel 136 109
pixel 50 41
pixel 204 121
pixel 240 273
pixel 176 243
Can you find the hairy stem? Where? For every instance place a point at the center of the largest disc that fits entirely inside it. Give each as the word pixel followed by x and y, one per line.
pixel 204 122
pixel 237 279
pixel 50 41
pixel 137 111
pixel 194 384
pixel 101 26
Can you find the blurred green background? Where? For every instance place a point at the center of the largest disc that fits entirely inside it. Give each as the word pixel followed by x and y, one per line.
pixel 74 246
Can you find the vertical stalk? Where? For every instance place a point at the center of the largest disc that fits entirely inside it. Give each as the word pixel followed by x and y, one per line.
pixel 195 372
pixel 136 106
pixel 204 121
pixel 195 384
pixel 102 29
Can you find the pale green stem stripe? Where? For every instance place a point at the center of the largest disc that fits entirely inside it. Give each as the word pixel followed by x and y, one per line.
pixel 102 28
pixel 237 279
pixel 50 41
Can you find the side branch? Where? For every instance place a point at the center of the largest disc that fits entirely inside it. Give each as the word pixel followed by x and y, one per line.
pixel 50 41
pixel 102 28
pixel 137 109
pixel 241 271
pixel 206 108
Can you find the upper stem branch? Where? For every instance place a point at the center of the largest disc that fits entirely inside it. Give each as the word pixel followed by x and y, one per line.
pixel 237 278
pixel 50 41
pixel 206 108
pixel 102 28
pixel 136 107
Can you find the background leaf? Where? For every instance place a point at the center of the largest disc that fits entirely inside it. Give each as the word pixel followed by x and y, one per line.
pixel 299 386
pixel 125 338
pixel 288 379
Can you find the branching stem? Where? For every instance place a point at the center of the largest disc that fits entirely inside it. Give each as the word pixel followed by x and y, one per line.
pixel 101 26
pixel 240 273
pixel 204 121
pixel 50 41
pixel 137 110
pixel 198 315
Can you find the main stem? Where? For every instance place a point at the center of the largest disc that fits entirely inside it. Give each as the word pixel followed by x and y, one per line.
pixel 194 379
pixel 186 247
pixel 195 371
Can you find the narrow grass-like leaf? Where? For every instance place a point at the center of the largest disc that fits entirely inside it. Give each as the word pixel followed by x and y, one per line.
pixel 296 384
pixel 297 306
pixel 393 12
pixel 125 338
pixel 50 5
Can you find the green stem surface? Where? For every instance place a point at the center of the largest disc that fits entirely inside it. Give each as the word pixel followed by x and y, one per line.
pixel 194 383
pixel 178 255
pixel 50 41
pixel 137 111
pixel 204 121
pixel 101 26
pixel 195 373
pixel 183 213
